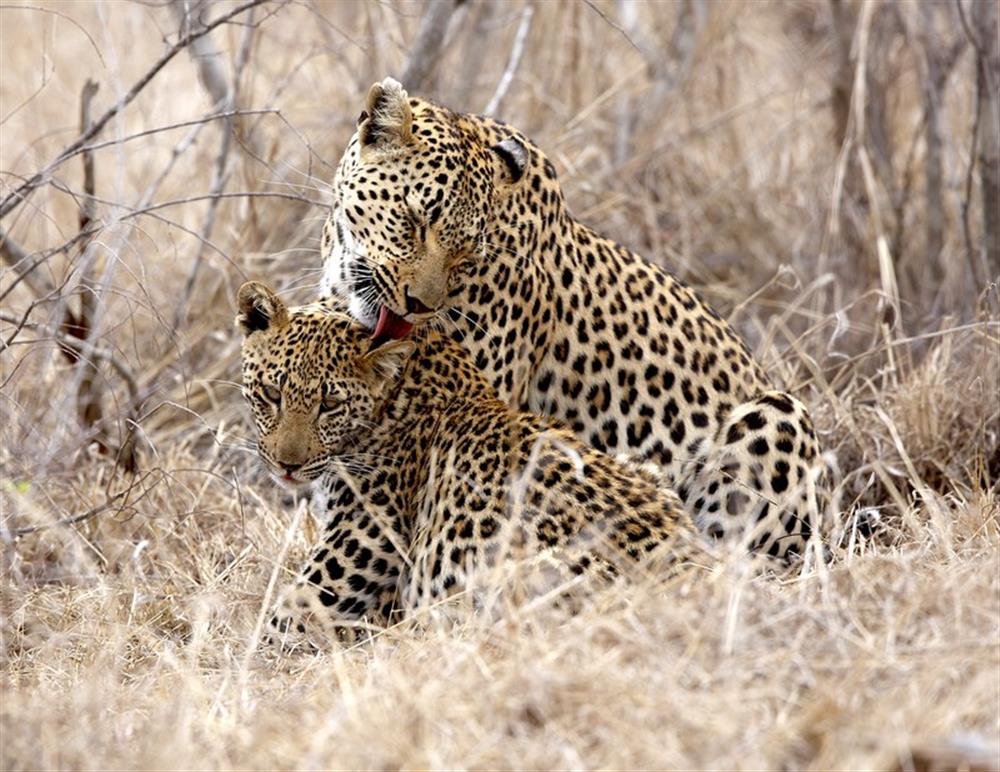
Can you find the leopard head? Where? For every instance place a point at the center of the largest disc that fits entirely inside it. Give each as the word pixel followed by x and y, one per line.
pixel 314 382
pixel 415 197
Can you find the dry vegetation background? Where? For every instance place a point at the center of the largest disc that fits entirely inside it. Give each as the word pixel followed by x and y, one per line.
pixel 824 172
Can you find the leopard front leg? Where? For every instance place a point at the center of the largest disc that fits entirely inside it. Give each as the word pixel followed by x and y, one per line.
pixel 302 621
pixel 758 480
pixel 348 587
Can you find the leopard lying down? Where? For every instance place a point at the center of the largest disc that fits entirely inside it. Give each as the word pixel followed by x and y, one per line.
pixel 425 479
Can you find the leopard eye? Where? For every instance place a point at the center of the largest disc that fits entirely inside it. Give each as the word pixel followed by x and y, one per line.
pixel 272 394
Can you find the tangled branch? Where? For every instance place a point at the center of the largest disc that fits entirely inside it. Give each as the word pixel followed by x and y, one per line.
pixel 21 192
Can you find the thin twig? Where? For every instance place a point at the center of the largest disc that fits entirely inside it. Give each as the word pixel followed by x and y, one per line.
pixel 19 194
pixel 110 502
pixel 516 51
pixel 55 294
pixel 192 199
pixel 204 53
pixel 15 256
pixel 86 348
pixel 225 115
pixel 618 27
pixel 150 211
pixel 226 95
pixel 65 17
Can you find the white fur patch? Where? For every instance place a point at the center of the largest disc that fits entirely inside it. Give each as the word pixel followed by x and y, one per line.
pixel 336 274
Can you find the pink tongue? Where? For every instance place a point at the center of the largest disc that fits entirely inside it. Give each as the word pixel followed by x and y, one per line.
pixel 390 325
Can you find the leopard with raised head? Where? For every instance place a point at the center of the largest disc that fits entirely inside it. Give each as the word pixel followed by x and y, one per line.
pixel 458 220
pixel 423 479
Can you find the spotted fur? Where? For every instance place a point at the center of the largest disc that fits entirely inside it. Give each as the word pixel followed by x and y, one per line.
pixel 423 478
pixel 459 220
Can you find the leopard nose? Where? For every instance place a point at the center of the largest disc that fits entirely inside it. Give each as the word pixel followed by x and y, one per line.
pixel 289 468
pixel 416 306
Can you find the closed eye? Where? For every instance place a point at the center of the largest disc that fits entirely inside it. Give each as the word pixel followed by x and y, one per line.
pixel 330 402
pixel 272 393
pixel 417 222
pixel 414 213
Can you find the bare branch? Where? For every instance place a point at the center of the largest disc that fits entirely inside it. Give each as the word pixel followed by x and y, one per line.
pixel 933 162
pixel 88 393
pixel 224 115
pixel 972 254
pixel 90 89
pixel 205 53
pixel 516 52
pixel 613 24
pixel 988 96
pixel 16 258
pixel 666 65
pixel 19 194
pixel 217 84
pixel 86 348
pixel 149 211
pixel 110 502
pixel 133 213
pixel 475 47
pixel 65 17
pixel 427 45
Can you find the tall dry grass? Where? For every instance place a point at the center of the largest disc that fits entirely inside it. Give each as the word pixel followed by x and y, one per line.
pixel 716 138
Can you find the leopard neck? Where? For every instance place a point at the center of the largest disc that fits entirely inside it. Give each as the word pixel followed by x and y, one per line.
pixel 438 373
pixel 438 376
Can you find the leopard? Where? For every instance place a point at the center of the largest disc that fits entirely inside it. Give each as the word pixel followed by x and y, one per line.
pixel 458 221
pixel 423 480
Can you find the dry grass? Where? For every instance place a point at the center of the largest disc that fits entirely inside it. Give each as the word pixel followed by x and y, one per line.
pixel 128 638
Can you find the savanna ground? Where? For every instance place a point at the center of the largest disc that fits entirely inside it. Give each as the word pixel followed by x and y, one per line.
pixel 824 172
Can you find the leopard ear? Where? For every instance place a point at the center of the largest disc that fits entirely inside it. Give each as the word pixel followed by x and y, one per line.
pixel 512 157
pixel 387 360
pixel 387 121
pixel 259 309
